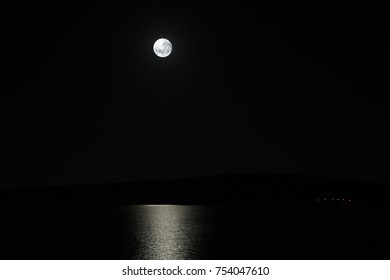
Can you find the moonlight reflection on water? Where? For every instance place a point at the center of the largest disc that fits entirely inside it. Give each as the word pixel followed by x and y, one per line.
pixel 167 231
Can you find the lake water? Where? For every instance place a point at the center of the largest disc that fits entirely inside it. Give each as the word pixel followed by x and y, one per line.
pixel 189 232
pixel 195 232
pixel 165 231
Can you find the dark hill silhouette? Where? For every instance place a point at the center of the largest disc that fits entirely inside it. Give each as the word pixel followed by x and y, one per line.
pixel 216 189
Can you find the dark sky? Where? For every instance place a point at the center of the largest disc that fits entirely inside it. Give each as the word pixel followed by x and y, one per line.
pixel 290 87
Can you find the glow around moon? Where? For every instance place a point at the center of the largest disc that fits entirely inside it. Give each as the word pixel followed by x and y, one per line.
pixel 162 47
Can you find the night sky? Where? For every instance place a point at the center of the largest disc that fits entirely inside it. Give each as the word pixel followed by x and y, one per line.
pixel 272 87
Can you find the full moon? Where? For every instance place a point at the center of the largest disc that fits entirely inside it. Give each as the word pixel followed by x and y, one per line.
pixel 162 47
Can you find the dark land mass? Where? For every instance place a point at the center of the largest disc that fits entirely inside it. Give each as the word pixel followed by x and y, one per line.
pixel 251 217
pixel 299 190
